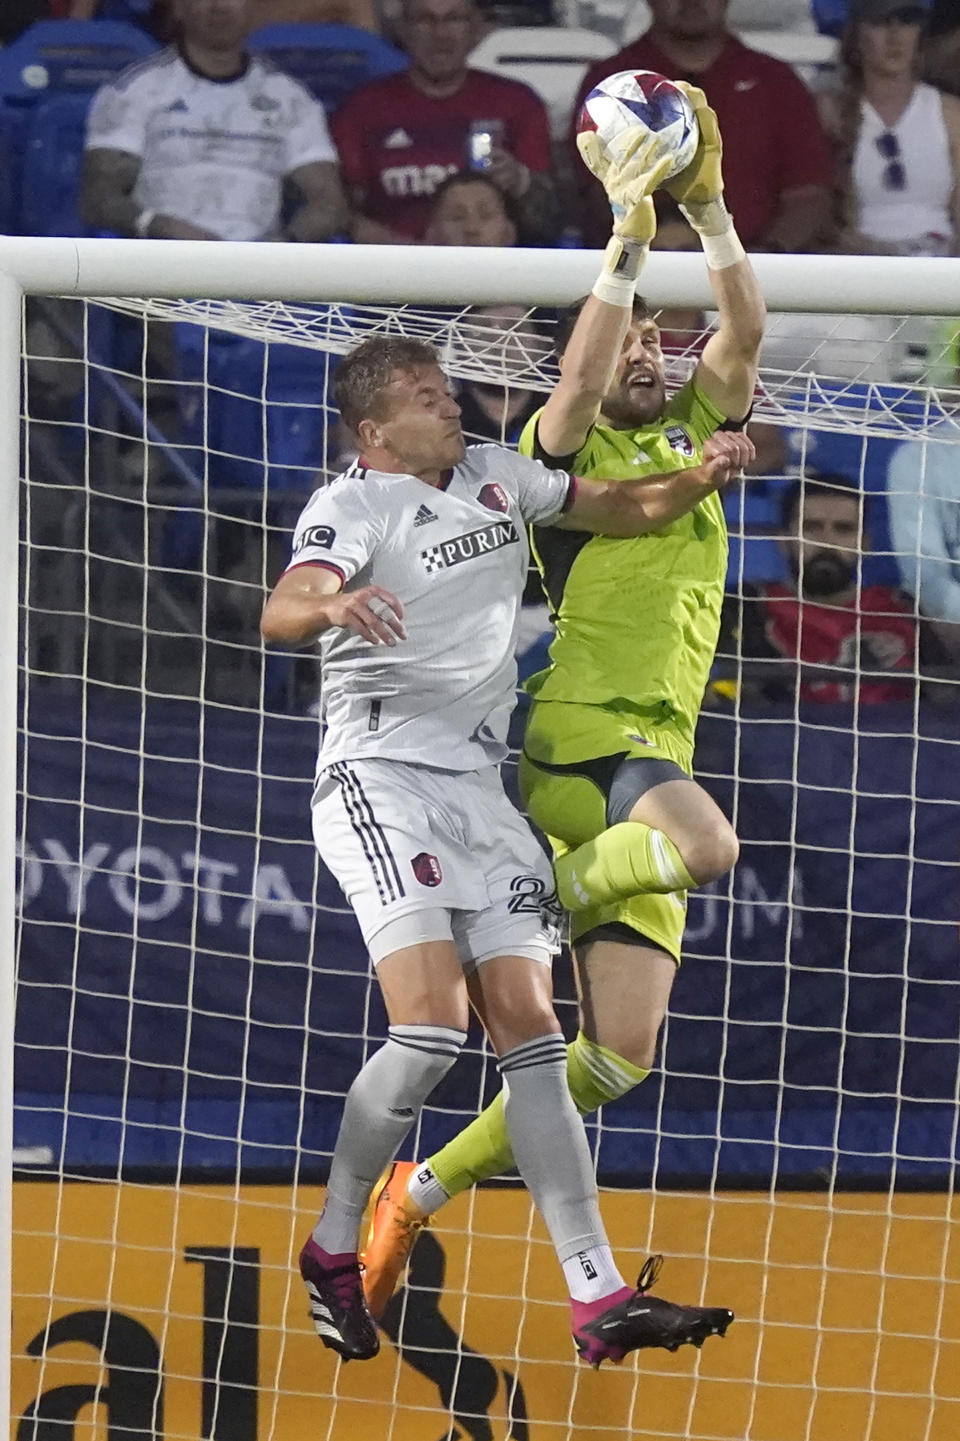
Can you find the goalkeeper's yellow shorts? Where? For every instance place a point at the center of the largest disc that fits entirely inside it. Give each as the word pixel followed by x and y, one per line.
pixel 570 752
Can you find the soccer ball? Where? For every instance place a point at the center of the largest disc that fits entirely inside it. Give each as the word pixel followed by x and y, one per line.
pixel 641 99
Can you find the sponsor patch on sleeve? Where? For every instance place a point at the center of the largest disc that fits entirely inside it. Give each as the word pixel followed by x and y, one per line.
pixel 318 535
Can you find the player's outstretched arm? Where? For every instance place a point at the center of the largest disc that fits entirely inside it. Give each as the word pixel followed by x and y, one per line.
pixel 727 372
pixel 626 508
pixel 310 599
pixel 591 354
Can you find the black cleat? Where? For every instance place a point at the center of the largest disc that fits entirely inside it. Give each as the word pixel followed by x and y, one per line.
pixel 645 1320
pixel 337 1306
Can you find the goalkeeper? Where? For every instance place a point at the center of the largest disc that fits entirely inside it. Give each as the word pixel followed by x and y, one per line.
pixel 607 759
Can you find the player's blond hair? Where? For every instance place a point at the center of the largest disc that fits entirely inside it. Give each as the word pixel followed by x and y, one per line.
pixel 360 384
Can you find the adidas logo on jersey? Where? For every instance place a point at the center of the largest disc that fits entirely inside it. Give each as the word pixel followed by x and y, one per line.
pixel 397 140
pixel 424 516
pixel 178 105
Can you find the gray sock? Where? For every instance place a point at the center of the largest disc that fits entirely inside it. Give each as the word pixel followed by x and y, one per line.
pixel 550 1145
pixel 381 1106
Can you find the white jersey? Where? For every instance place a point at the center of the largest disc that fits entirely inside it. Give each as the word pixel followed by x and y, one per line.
pixel 920 210
pixel 456 558
pixel 213 152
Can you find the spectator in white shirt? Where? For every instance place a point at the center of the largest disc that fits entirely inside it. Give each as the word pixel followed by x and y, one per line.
pixel 897 139
pixel 199 142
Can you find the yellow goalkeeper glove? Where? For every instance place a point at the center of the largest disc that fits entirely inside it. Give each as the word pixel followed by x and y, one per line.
pixel 699 188
pixel 629 181
pixel 701 182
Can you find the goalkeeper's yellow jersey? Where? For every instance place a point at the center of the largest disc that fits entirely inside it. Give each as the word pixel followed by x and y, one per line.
pixel 638 619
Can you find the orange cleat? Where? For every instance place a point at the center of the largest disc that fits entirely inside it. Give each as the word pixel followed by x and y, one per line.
pixel 391 1237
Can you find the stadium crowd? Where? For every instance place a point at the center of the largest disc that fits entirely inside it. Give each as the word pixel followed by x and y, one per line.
pixel 842 134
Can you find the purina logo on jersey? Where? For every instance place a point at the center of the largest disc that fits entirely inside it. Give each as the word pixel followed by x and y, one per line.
pixel 493 497
pixel 678 439
pixel 467 547
pixel 427 870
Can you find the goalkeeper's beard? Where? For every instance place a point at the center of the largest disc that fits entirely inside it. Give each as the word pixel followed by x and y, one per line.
pixel 627 407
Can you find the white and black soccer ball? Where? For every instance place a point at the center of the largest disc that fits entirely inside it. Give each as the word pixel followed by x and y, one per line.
pixel 641 99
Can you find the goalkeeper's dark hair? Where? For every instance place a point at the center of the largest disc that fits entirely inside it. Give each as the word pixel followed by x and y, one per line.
pixel 362 377
pixel 824 482
pixel 567 319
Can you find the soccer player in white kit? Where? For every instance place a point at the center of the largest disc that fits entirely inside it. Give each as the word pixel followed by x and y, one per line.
pixel 409 570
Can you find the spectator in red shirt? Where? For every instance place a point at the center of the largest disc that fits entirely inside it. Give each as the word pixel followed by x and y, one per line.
pixel 777 166
pixel 825 636
pixel 400 136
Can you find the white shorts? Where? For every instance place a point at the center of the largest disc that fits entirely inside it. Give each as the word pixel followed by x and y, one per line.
pixel 403 839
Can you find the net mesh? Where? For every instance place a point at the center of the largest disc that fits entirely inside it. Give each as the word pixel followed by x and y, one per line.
pixel 193 996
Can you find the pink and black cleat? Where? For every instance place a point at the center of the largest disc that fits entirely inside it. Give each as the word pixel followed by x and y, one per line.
pixel 640 1320
pixel 337 1305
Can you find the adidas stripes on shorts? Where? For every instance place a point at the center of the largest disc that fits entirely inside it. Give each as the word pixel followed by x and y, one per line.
pixel 404 839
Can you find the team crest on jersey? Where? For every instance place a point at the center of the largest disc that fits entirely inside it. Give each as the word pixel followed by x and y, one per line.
pixel 467 547
pixel 678 439
pixel 493 497
pixel 427 870
pixel 322 535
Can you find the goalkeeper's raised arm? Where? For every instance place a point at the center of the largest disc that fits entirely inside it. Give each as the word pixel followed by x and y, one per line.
pixel 727 372
pixel 594 362
pixel 591 354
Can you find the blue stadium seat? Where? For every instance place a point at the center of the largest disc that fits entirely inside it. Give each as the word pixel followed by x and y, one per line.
pixel 51 60
pixel 226 416
pixel 830 15
pixel 330 60
pixel 7 185
pixel 136 11
pixel 761 557
pixel 53 159
pixel 57 56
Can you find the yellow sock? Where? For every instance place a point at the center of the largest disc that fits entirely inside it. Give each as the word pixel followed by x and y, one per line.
pixel 482 1149
pixel 629 859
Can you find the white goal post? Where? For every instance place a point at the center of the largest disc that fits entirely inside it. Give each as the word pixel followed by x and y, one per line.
pixel 266 291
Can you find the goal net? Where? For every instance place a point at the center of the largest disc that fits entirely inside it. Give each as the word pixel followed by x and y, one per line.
pixel 193 998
